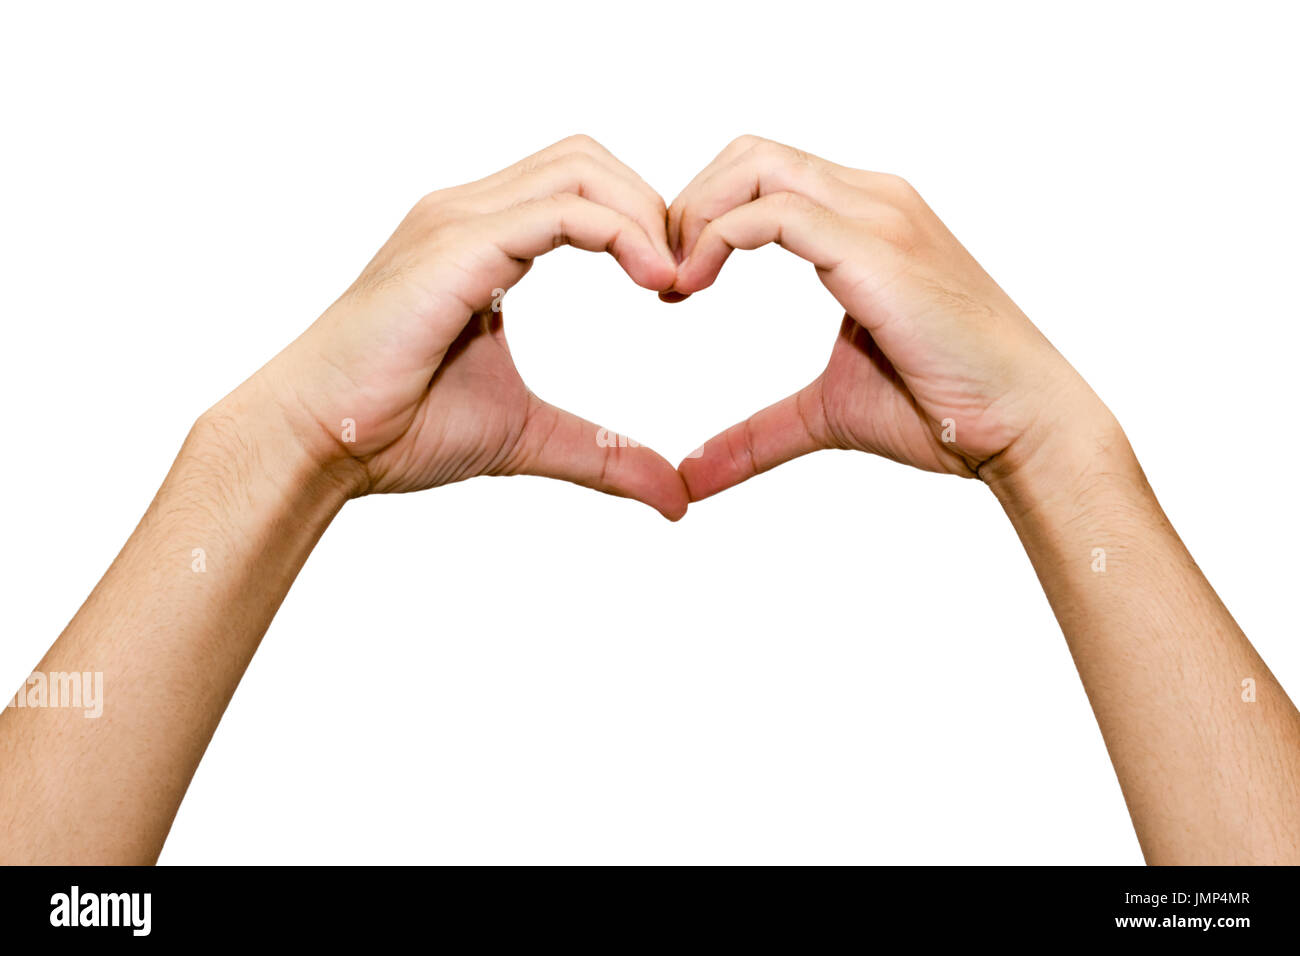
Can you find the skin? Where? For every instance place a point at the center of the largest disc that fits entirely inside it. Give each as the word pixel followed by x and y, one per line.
pixel 406 383
pixel 414 355
pixel 936 367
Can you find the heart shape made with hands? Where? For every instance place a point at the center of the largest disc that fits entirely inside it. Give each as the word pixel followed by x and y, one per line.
pixel 929 367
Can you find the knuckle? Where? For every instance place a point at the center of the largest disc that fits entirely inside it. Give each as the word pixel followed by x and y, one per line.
pixel 897 189
pixel 895 227
pixel 436 209
pixel 740 447
pixel 581 142
pixel 744 142
pixel 430 203
pixel 431 198
pixel 578 162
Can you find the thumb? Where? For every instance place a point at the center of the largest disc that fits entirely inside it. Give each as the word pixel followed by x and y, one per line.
pixel 792 427
pixel 558 444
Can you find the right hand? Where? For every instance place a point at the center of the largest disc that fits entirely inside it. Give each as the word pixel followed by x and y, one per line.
pixel 934 365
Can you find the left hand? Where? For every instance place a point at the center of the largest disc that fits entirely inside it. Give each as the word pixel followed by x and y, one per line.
pixel 413 357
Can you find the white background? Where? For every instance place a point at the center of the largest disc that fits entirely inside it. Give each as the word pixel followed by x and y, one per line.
pixel 840 661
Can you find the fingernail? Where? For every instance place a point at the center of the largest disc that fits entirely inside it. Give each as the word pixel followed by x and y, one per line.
pixel 673 296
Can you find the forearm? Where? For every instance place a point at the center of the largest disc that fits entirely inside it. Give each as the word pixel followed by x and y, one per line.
pixel 405 382
pixel 172 627
pixel 1208 776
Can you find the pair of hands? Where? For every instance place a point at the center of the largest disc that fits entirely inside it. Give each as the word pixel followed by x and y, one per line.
pixel 934 365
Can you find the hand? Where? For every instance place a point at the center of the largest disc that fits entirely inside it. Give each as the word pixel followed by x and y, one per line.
pixel 934 365
pixel 414 354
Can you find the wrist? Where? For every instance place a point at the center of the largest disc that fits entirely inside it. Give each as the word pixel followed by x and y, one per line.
pixel 1064 461
pixel 277 448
